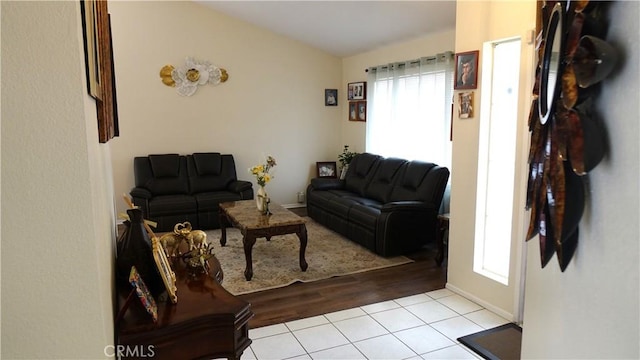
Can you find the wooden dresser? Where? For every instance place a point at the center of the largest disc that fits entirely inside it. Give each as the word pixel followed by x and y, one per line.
pixel 207 322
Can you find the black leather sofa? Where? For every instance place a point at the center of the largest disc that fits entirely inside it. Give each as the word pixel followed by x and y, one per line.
pixel 172 188
pixel 387 205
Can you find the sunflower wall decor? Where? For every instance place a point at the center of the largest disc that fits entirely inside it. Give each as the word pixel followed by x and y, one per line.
pixel 567 135
pixel 187 77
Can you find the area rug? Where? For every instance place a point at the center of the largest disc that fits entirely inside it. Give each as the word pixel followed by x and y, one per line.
pixel 500 343
pixel 275 262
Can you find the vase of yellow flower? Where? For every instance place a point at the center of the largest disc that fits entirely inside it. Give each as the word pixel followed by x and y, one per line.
pixel 261 172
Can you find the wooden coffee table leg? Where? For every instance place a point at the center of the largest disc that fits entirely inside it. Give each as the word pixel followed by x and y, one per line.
pixel 223 229
pixel 302 235
pixel 248 241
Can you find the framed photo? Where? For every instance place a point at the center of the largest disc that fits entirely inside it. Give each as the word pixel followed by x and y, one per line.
pixel 143 293
pixel 96 26
pixel 467 70
pixel 91 56
pixel 465 105
pixel 357 91
pixel 353 111
pixel 162 263
pixel 330 97
pixel 327 169
pixel 362 110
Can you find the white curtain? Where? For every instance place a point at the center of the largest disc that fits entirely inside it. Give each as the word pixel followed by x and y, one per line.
pixel 409 109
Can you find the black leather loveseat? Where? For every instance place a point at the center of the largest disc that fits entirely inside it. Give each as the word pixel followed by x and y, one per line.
pixel 172 188
pixel 387 205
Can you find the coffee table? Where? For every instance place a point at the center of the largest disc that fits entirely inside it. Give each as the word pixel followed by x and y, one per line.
pixel 253 224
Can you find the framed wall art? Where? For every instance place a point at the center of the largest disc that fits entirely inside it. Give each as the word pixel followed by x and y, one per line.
pixel 467 70
pixel 465 105
pixel 99 65
pixel 357 91
pixel 353 111
pixel 362 110
pixel 327 169
pixel 330 97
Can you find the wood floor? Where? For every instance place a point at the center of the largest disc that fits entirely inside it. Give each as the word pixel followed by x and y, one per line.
pixel 301 300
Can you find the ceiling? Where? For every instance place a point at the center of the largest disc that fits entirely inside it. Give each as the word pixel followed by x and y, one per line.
pixel 344 28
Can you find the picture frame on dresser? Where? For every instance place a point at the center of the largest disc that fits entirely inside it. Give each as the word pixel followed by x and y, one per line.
pixel 164 268
pixel 143 294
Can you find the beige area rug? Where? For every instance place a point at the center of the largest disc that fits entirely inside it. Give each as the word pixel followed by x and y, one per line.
pixel 275 262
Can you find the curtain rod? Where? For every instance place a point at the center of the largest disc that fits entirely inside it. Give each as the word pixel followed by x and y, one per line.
pixel 448 55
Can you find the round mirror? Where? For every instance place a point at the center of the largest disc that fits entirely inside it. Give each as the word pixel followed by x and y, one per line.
pixel 551 60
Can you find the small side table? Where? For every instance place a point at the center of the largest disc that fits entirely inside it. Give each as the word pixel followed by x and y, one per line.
pixel 442 228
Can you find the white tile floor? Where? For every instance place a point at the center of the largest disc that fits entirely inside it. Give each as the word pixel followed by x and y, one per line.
pixel 423 326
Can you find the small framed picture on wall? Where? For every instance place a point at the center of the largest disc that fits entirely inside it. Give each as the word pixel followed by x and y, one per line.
pixel 357 91
pixel 353 111
pixel 330 97
pixel 362 110
pixel 465 105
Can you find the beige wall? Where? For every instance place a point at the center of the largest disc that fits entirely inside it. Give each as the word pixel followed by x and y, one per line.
pixel 272 104
pixel 479 22
pixel 591 311
pixel 58 223
pixel 353 70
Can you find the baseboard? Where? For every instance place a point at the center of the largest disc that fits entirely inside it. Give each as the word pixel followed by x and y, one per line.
pixel 293 206
pixel 481 302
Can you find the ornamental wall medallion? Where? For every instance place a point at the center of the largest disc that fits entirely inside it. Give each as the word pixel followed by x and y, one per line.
pixel 188 77
pixel 567 136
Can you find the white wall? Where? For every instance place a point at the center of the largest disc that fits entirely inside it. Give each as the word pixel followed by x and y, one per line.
pixel 272 104
pixel 353 70
pixel 58 223
pixel 592 309
pixel 478 22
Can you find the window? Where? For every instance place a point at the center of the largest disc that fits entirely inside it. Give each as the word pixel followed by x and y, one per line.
pixel 410 109
pixel 496 159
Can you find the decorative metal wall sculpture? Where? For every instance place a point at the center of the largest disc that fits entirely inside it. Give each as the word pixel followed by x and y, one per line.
pixel 187 77
pixel 567 137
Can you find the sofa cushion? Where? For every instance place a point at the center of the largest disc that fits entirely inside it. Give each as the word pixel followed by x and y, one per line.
pixel 412 185
pixel 381 184
pixel 167 165
pixel 162 174
pixel 207 163
pixel 366 216
pixel 210 201
pixel 210 172
pixel 358 175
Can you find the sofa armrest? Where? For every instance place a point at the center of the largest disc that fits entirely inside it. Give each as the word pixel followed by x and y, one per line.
pixel 239 186
pixel 327 183
pixel 138 192
pixel 140 198
pixel 407 206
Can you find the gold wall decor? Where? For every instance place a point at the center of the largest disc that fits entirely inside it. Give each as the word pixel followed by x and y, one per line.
pixel 187 77
pixel 567 136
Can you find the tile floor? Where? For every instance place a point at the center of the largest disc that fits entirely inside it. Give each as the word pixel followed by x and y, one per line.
pixel 423 326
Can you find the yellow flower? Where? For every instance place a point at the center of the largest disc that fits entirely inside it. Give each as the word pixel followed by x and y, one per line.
pixel 261 171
